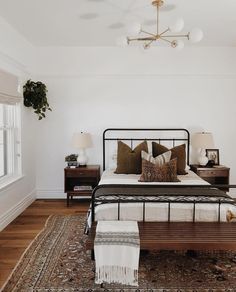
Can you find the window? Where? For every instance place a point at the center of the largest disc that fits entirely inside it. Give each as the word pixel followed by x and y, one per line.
pixel 10 146
pixel 10 158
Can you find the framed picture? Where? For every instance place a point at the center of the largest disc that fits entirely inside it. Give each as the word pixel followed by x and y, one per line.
pixel 213 155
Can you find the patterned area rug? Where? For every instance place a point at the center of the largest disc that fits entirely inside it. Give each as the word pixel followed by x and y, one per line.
pixel 57 261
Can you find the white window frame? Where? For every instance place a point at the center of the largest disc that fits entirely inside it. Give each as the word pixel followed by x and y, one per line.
pixel 12 151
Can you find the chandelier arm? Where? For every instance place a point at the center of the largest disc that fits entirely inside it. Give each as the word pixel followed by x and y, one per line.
pixel 158 10
pixel 178 36
pixel 143 31
pixel 141 39
pixel 164 32
pixel 165 40
pixel 147 45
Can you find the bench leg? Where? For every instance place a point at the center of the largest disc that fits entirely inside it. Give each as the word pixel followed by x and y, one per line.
pixel 191 253
pixel 92 255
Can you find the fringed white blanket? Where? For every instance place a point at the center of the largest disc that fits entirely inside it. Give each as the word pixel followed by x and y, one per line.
pixel 117 248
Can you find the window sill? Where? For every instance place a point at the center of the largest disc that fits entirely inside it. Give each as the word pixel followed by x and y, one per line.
pixel 9 181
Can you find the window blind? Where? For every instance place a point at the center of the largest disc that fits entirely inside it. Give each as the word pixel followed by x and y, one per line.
pixel 9 88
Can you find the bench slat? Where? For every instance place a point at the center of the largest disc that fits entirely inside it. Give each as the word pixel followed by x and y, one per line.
pixel 182 235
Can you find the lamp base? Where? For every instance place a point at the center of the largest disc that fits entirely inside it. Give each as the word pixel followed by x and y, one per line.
pixel 202 159
pixel 82 158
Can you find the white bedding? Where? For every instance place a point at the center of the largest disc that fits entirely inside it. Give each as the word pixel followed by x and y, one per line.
pixel 207 212
pixel 109 177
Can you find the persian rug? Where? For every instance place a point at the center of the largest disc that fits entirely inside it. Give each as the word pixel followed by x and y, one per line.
pixel 57 260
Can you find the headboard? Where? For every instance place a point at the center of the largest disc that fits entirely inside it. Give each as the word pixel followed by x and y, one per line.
pixel 167 136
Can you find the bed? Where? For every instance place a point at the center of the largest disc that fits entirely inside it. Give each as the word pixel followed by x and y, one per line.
pixel 189 214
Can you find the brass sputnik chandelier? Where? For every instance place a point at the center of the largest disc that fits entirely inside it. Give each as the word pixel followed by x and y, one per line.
pixel 168 35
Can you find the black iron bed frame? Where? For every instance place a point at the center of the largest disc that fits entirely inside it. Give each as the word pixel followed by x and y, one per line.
pixel 168 235
pixel 106 139
pixel 119 194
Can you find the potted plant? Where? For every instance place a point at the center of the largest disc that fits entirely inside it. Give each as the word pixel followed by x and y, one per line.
pixel 71 160
pixel 35 96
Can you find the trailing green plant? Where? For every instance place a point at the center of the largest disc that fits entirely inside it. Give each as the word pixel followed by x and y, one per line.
pixel 35 96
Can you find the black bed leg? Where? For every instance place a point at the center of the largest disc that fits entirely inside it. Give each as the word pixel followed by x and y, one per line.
pixel 92 255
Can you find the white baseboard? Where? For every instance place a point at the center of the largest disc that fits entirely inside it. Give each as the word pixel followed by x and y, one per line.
pixel 16 210
pixel 53 194
pixel 50 194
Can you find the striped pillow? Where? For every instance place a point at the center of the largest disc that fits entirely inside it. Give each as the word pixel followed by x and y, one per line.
pixel 159 160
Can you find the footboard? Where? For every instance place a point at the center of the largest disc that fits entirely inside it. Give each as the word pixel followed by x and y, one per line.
pixel 168 194
pixel 171 235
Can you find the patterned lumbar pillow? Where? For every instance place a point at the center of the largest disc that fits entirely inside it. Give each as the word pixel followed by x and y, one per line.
pixel 154 173
pixel 159 160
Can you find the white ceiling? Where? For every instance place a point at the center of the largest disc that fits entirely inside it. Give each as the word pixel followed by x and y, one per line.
pixel 101 22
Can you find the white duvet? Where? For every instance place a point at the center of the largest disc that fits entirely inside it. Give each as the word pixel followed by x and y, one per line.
pixel 109 177
pixel 159 211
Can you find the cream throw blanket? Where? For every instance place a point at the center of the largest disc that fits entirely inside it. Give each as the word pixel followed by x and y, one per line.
pixel 116 248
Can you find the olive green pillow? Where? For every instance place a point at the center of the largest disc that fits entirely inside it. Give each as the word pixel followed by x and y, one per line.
pixel 178 152
pixel 129 161
pixel 151 172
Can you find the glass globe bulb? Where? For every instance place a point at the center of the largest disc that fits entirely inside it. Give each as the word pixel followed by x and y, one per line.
pixel 146 46
pixel 177 26
pixel 177 44
pixel 180 45
pixel 134 29
pixel 195 35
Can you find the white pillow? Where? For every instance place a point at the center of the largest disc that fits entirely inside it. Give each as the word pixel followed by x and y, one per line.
pixel 159 160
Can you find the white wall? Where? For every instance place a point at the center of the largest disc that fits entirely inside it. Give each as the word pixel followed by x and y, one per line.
pixel 17 196
pixel 15 50
pixel 91 90
pixel 71 61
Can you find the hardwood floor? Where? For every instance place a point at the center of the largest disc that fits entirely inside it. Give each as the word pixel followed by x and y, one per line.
pixel 17 236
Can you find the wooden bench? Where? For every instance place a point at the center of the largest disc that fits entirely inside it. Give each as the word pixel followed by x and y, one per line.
pixel 181 236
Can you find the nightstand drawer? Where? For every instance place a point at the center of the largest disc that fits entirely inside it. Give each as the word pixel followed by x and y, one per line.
pixel 213 173
pixel 76 172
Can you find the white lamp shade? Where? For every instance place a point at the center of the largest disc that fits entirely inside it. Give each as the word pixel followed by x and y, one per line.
pixel 179 45
pixel 195 35
pixel 82 140
pixel 177 26
pixel 134 29
pixel 202 140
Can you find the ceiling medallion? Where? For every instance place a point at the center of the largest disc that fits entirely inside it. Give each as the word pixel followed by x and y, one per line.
pixel 169 35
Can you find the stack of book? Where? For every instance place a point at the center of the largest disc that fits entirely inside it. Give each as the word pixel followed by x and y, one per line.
pixel 83 188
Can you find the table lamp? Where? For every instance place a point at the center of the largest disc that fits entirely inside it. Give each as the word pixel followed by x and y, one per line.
pixel 82 141
pixel 203 141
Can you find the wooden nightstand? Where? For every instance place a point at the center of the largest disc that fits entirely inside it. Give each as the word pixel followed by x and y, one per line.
pixel 214 175
pixel 81 176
